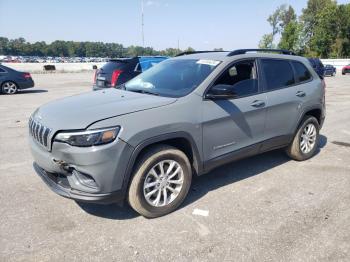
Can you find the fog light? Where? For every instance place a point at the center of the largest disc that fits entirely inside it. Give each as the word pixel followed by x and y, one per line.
pixel 85 179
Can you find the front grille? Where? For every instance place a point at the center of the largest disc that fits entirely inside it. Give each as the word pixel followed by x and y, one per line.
pixel 40 133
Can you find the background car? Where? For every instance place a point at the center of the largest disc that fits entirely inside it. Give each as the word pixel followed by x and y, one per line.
pixel 330 70
pixel 345 70
pixel 118 71
pixel 317 66
pixel 11 80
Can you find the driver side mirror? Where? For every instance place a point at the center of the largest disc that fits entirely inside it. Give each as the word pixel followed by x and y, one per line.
pixel 221 91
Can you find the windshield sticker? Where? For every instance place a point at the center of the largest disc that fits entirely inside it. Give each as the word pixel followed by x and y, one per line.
pixel 208 62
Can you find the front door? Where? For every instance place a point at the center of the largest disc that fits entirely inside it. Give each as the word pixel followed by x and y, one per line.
pixel 233 124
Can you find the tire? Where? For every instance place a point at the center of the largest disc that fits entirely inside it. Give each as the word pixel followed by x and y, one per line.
pixel 144 176
pixel 300 151
pixel 9 88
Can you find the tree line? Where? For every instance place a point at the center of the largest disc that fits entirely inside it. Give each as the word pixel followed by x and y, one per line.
pixel 60 48
pixel 322 30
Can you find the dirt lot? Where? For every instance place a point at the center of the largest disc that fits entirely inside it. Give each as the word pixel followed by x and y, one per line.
pixel 265 208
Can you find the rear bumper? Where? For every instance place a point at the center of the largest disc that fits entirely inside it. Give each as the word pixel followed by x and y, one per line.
pixel 95 88
pixel 60 189
pixel 26 84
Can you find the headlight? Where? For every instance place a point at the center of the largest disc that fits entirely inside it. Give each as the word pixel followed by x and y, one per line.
pixel 88 137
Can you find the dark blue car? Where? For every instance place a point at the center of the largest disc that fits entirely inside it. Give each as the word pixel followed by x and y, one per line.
pixel 118 71
pixel 11 80
pixel 329 70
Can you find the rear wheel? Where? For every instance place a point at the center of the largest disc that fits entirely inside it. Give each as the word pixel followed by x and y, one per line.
pixel 305 142
pixel 161 181
pixel 9 88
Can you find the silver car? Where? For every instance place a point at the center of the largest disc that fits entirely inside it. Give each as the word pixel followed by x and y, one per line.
pixel 187 115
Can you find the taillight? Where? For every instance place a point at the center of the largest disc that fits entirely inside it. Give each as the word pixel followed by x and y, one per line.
pixel 115 76
pixel 95 76
pixel 27 75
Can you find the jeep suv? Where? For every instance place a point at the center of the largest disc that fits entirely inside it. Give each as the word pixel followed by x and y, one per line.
pixel 181 118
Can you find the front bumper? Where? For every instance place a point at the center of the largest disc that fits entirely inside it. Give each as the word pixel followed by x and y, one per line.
pixel 52 181
pixel 94 174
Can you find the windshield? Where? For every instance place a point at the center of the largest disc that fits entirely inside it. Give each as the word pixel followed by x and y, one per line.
pixel 172 78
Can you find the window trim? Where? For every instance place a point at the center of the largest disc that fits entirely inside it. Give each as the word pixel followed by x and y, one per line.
pixel 257 73
pixel 264 86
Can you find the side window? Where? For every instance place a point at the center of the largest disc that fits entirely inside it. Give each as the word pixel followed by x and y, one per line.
pixel 301 72
pixel 242 77
pixel 2 70
pixel 278 73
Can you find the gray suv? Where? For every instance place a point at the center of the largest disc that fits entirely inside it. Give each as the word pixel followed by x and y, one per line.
pixel 183 117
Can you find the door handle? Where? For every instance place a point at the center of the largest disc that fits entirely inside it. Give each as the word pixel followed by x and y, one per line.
pixel 258 103
pixel 300 94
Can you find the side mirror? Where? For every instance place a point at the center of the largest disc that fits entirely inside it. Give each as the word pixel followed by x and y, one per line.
pixel 221 91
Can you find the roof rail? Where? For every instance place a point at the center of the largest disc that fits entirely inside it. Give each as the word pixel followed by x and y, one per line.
pixel 243 51
pixel 196 52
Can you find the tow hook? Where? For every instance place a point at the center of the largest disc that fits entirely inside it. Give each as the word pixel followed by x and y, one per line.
pixel 62 164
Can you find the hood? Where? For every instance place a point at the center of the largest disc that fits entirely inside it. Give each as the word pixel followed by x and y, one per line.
pixel 80 111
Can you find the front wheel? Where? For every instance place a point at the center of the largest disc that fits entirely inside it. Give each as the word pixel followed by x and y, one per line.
pixel 161 181
pixel 305 142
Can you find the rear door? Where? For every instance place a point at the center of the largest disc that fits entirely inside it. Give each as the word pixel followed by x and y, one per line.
pixel 283 101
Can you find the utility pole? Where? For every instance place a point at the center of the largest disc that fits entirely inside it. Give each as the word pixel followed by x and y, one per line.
pixel 142 24
pixel 178 45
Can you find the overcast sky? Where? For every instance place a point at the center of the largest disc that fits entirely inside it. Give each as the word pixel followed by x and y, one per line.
pixel 201 24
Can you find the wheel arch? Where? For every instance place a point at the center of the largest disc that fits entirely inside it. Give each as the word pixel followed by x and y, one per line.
pixel 180 140
pixel 8 80
pixel 315 111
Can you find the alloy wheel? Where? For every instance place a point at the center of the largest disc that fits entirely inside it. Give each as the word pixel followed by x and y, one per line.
pixel 163 183
pixel 308 138
pixel 9 88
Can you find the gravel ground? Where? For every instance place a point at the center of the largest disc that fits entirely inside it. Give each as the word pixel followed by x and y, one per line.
pixel 265 208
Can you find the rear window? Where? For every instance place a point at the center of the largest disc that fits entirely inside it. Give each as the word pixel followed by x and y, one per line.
pixel 278 73
pixel 301 72
pixel 114 65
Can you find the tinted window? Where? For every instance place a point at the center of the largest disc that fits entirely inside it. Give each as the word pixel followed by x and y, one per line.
pixel 114 65
pixel 278 73
pixel 2 70
pixel 242 77
pixel 302 73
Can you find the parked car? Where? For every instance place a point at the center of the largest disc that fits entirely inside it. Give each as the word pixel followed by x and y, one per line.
pixel 181 118
pixel 346 69
pixel 12 81
pixel 118 71
pixel 330 70
pixel 317 66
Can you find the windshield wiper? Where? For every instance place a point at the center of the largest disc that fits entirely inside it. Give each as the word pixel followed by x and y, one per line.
pixel 142 91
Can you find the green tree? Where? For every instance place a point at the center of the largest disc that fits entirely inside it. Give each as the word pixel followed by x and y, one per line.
pixel 266 42
pixel 290 37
